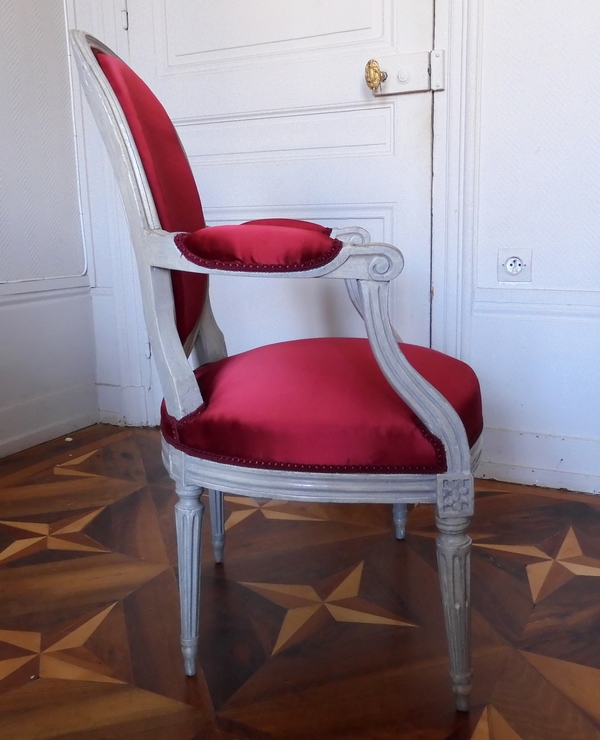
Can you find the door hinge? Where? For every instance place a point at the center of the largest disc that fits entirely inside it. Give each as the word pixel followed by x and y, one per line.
pixel 125 19
pixel 410 73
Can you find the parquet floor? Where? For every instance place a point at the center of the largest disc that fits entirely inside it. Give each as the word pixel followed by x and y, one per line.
pixel 319 624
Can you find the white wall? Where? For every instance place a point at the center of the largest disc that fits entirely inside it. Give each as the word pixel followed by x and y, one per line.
pixel 522 148
pixel 47 379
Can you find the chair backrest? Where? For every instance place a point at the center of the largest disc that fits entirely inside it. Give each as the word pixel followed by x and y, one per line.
pixel 168 174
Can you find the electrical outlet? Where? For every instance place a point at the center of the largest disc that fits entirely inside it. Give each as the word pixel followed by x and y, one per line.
pixel 514 265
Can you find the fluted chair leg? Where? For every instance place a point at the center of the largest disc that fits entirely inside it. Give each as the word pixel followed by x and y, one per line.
pixel 453 554
pixel 189 511
pixel 217 524
pixel 400 514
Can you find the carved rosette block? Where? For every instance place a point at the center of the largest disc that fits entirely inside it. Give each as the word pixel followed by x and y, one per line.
pixel 454 566
pixel 455 496
pixel 189 511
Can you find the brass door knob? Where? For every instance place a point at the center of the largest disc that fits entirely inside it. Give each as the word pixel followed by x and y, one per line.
pixel 374 75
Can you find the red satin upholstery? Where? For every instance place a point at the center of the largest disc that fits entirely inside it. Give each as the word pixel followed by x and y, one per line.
pixel 260 247
pixel 289 222
pixel 320 404
pixel 169 176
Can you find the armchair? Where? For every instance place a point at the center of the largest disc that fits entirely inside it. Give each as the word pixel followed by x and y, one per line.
pixel 330 419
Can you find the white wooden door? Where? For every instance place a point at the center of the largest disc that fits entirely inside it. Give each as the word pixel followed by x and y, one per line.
pixel 270 102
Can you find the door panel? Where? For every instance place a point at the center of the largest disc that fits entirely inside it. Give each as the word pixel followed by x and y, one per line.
pixel 270 102
pixel 196 32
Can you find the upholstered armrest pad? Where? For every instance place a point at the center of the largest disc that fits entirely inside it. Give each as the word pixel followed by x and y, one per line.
pixel 268 245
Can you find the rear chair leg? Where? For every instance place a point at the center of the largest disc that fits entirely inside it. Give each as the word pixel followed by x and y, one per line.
pixel 400 514
pixel 217 524
pixel 188 520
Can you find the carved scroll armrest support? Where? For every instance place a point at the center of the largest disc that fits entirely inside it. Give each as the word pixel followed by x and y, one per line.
pixel 425 401
pixel 354 235
pixel 355 297
pixel 353 289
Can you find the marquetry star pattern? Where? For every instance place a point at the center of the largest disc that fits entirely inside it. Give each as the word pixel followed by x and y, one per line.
pixel 65 534
pixel 309 608
pixel 550 573
pixel 573 686
pixel 271 510
pixel 65 656
pixel 493 725
pixel 30 537
pixel 66 468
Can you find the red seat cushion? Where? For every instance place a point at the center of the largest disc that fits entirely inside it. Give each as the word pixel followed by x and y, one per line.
pixel 320 405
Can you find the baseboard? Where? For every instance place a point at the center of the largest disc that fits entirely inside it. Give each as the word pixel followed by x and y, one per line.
pixel 570 463
pixel 124 406
pixel 41 419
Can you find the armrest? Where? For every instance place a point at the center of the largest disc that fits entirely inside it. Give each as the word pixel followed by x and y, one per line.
pixel 263 246
pixel 270 251
pixel 434 411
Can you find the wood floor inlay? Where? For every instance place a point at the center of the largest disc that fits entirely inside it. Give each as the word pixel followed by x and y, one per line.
pixel 550 574
pixel 318 625
pixel 307 611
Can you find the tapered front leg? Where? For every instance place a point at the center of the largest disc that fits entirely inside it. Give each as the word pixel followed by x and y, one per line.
pixel 217 524
pixel 400 514
pixel 188 519
pixel 453 554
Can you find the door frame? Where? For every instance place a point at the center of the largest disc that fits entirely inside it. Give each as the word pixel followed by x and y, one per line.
pixel 457 29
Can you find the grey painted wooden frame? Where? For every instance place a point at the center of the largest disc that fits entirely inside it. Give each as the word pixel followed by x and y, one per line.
pixel 367 268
